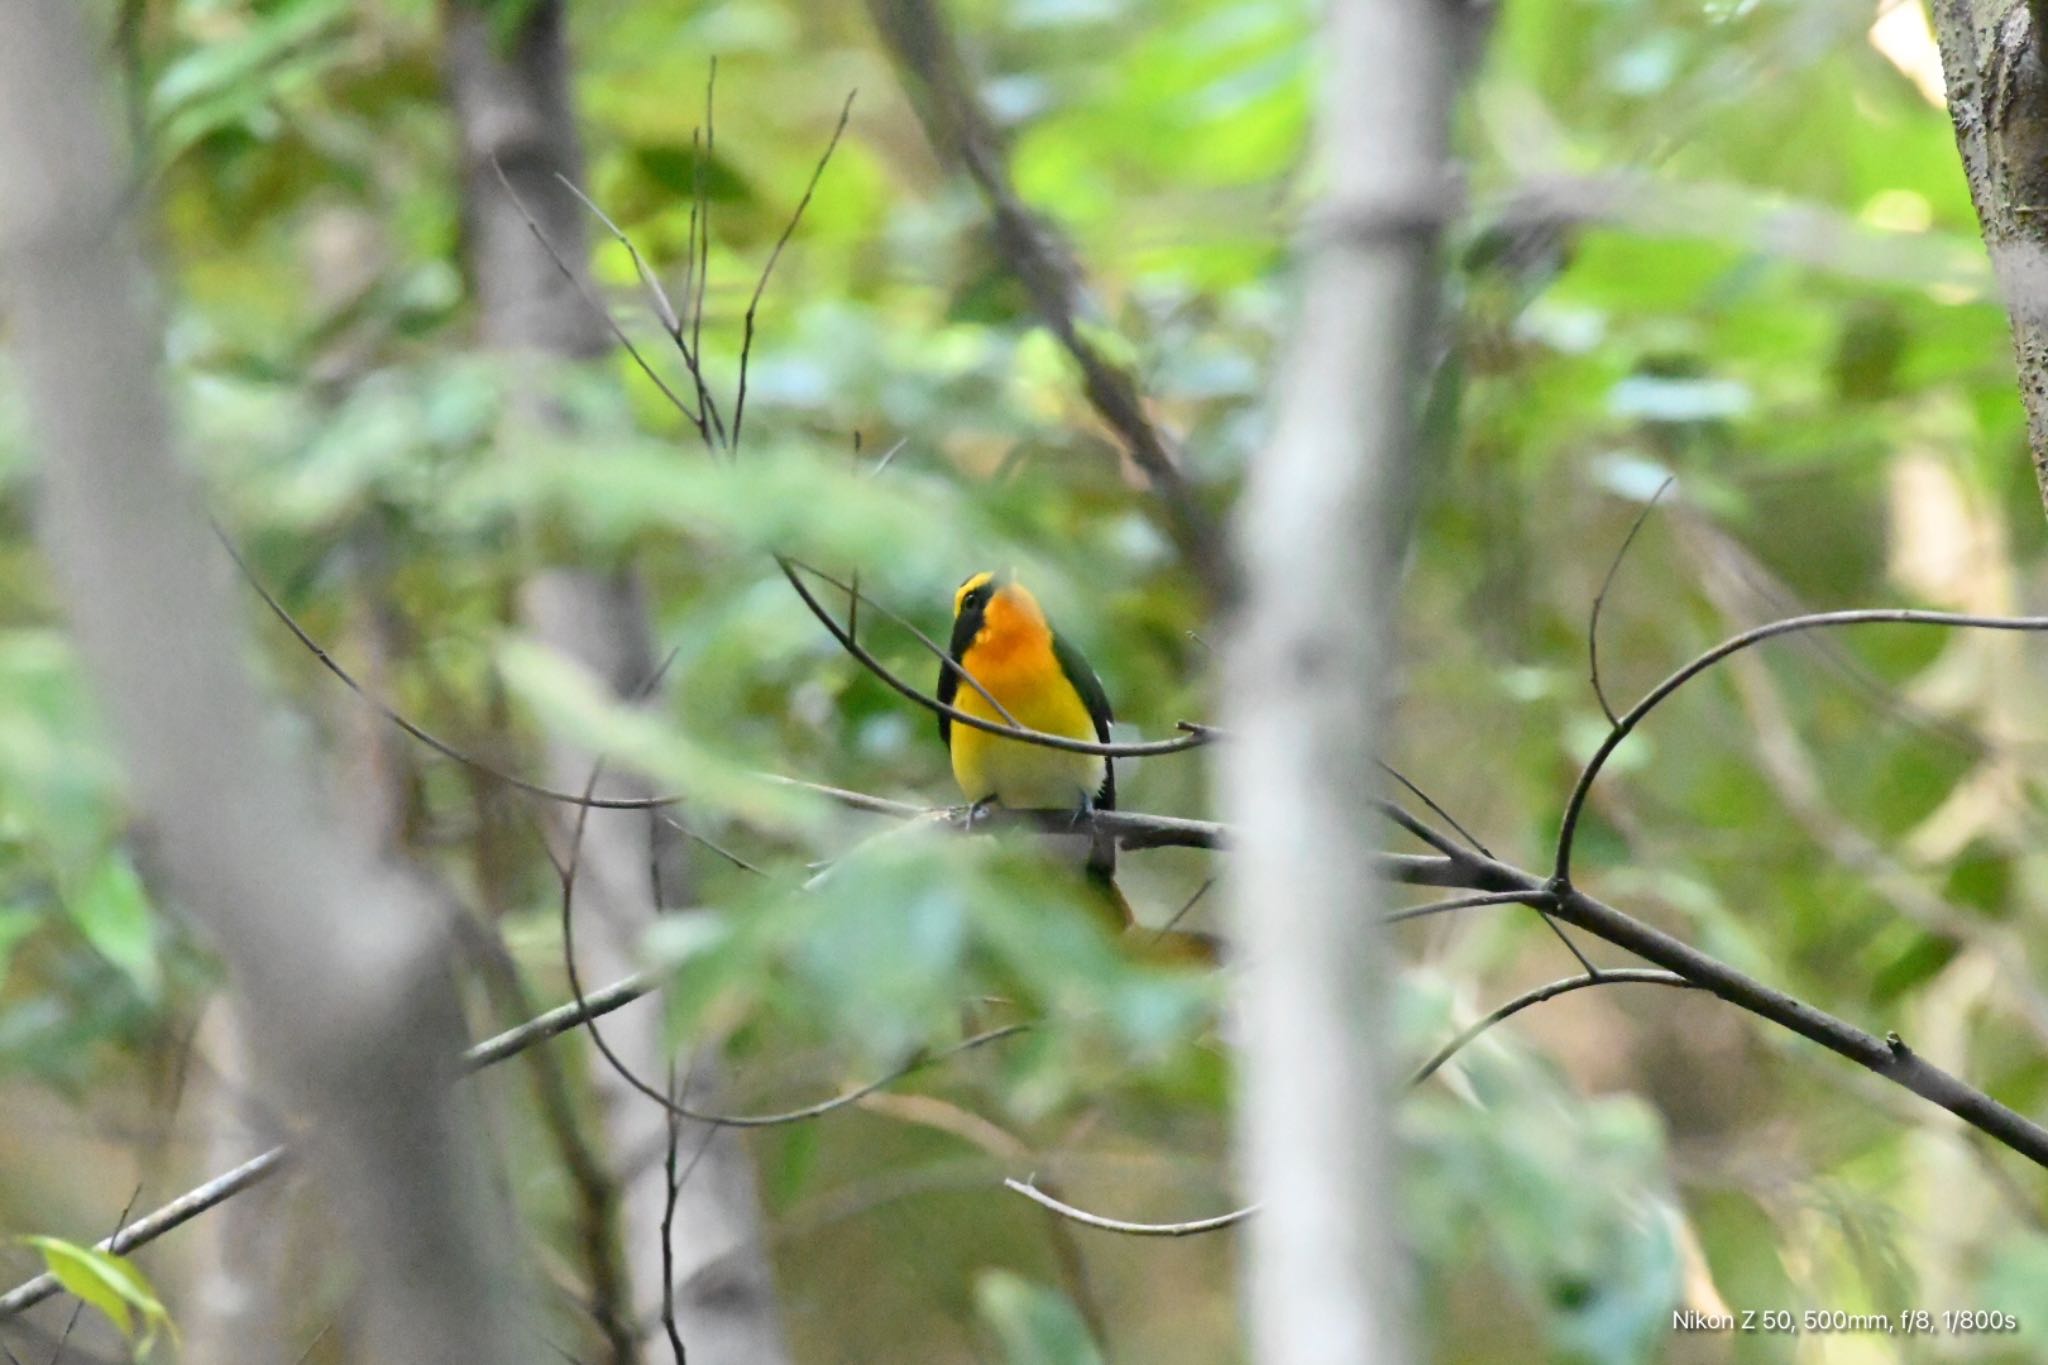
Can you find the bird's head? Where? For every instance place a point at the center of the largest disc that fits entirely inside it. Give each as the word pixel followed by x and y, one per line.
pixel 992 607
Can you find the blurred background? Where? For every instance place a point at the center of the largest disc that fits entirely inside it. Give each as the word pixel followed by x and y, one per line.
pixel 1723 244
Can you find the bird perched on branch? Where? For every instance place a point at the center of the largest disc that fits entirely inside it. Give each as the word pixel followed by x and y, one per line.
pixel 1002 640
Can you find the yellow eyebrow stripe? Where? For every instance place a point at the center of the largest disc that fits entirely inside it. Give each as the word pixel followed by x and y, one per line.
pixel 969 586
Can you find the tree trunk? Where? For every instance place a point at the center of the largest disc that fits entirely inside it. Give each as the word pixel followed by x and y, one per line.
pixel 1991 60
pixel 334 956
pixel 234 1316
pixel 1319 534
pixel 511 101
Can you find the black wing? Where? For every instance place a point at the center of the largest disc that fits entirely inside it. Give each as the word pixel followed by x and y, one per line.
pixel 1074 664
pixel 966 626
pixel 948 688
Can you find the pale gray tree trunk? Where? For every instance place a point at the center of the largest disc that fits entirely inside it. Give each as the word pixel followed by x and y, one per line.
pixel 1991 60
pixel 334 956
pixel 1319 534
pixel 233 1313
pixel 512 105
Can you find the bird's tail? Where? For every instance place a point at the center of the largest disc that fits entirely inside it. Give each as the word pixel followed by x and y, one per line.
pixel 1154 945
pixel 1116 909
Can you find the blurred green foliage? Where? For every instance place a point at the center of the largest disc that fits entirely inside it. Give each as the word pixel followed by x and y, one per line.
pixel 1727 242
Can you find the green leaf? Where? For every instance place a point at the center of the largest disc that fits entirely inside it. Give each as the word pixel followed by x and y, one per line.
pixel 221 84
pixel 1036 1325
pixel 113 1284
pixel 112 911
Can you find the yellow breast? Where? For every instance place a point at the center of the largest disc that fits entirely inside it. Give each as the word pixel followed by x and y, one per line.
pixel 1026 678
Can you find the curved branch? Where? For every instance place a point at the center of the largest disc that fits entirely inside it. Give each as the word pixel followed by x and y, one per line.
pixel 1134 830
pixel 1575 806
pixel 680 1110
pixel 739 409
pixel 854 597
pixel 1192 1228
pixel 1600 598
pixel 1647 976
pixel 1197 735
pixel 404 723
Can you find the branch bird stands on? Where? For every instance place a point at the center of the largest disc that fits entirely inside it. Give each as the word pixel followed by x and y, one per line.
pixel 966 702
pixel 1452 867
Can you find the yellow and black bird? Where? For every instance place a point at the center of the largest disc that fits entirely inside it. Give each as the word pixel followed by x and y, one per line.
pixel 1002 640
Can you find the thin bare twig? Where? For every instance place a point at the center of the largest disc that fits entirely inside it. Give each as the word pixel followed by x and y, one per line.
pixel 1426 799
pixel 775 1120
pixel 1600 598
pixel 1535 899
pixel 1177 916
pixel 694 837
pixel 406 724
pixel 78 1308
pixel 886 456
pixel 854 597
pixel 664 310
pixel 1613 977
pixel 701 209
pixel 1191 1228
pixel 1434 838
pixel 739 409
pixel 673 1186
pixel 595 304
